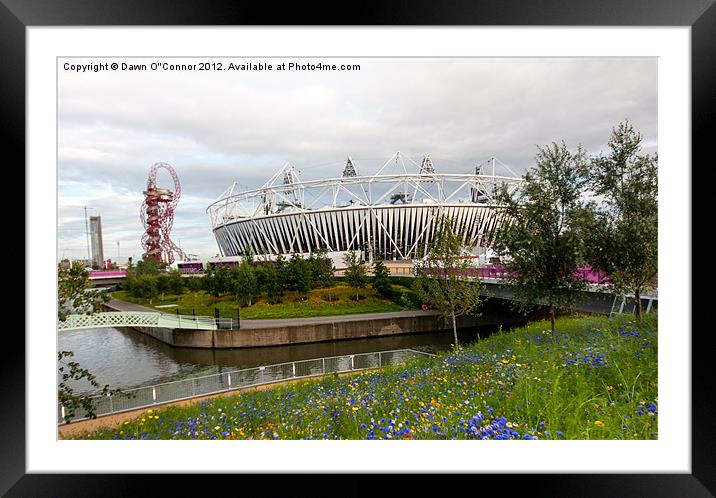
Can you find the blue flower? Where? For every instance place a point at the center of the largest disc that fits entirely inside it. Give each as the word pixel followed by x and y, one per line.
pixel 652 407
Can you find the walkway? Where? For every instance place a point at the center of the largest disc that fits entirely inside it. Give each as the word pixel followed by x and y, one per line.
pixel 289 322
pixel 316 320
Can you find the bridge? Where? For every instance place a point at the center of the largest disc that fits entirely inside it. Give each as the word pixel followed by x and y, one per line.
pixel 138 319
pixel 596 297
pixel 107 278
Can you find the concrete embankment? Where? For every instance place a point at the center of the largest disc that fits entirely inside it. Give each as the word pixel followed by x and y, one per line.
pixel 257 333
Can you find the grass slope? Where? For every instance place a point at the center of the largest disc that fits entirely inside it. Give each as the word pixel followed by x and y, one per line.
pixel 318 302
pixel 595 379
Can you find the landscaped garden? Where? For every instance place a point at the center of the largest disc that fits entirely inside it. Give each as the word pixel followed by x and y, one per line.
pixel 336 300
pixel 594 378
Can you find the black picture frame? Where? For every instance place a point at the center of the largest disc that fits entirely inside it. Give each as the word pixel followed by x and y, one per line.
pixel 700 15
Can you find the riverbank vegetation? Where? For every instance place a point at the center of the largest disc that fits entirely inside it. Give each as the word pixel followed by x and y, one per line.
pixel 594 378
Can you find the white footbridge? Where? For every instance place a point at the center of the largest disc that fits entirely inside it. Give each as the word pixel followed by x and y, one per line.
pixel 137 319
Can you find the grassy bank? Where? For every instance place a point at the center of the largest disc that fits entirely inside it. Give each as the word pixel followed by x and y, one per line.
pixel 338 300
pixel 595 379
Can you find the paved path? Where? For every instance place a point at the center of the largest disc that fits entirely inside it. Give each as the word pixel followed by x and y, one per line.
pixel 125 306
pixel 288 322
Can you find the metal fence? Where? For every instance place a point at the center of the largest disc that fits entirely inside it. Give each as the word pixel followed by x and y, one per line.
pixel 232 379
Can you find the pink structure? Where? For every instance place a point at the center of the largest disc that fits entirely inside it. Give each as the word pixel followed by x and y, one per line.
pixel 589 274
pixel 108 273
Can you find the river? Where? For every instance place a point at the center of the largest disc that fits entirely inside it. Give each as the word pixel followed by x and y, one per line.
pixel 126 358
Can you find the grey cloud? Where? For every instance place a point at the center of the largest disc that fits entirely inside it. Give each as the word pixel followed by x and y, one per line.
pixel 216 128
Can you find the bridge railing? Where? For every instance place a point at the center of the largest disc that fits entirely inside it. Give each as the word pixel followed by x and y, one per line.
pixel 231 379
pixel 110 319
pixel 145 319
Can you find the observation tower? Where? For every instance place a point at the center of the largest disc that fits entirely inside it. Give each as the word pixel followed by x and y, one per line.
pixel 157 215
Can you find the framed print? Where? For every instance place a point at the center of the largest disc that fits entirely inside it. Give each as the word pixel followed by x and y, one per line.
pixel 143 115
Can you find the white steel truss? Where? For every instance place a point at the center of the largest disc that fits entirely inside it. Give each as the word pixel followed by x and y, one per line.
pixel 391 214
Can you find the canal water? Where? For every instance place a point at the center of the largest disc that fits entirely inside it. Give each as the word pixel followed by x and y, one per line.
pixel 126 358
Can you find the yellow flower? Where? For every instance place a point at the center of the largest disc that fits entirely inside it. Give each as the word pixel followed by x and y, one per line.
pixel 150 411
pixel 599 423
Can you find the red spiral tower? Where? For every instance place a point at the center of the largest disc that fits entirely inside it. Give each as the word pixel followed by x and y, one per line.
pixel 157 216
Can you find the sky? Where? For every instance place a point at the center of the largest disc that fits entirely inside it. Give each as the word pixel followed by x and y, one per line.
pixel 219 127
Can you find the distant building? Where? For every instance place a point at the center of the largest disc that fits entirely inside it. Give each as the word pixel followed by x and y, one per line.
pixel 95 223
pixel 67 263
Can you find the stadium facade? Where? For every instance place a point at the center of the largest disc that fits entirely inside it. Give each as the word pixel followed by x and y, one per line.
pixel 393 213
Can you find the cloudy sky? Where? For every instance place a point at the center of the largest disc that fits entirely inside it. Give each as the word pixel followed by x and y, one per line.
pixel 217 127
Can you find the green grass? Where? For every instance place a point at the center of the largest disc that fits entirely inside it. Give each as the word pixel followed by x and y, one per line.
pixel 318 302
pixel 596 378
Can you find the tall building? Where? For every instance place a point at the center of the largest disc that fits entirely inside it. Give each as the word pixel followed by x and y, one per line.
pixel 96 240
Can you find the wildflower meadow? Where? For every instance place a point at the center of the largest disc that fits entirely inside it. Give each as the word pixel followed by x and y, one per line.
pixel 595 378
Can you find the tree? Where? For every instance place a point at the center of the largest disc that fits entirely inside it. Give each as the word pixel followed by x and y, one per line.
pixel 146 267
pixel 442 278
pixel 72 297
pixel 248 255
pixel 321 269
pixel 272 284
pixel 143 286
pixel 71 401
pixel 176 282
pixel 245 283
pixel 282 272
pixel 381 277
pixel 216 281
pixel 297 274
pixel 355 272
pixel 624 236
pixel 162 283
pixel 542 230
pixel 193 283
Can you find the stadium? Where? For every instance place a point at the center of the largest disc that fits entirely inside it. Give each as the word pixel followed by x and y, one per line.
pixel 392 213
